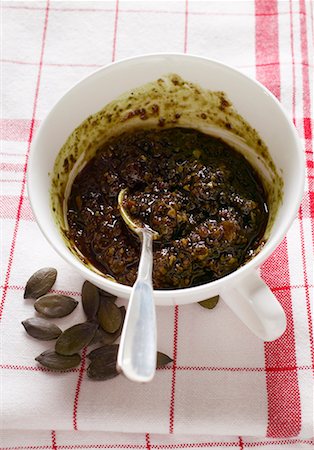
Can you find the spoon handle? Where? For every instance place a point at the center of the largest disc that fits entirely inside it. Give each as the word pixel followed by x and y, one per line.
pixel 138 346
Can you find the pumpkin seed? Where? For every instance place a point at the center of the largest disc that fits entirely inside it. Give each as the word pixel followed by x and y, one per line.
pixel 40 282
pixel 107 352
pixel 98 336
pixel 210 303
pixel 75 338
pixel 103 363
pixel 54 361
pixel 55 305
pixel 102 337
pixel 107 296
pixel 162 359
pixel 90 300
pixel 41 329
pixel 101 370
pixel 104 359
pixel 109 316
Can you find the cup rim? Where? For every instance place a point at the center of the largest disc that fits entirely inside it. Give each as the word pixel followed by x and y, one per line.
pixel 215 285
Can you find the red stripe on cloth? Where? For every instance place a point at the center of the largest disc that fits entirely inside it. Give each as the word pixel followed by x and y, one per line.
pixel 166 446
pixel 266 44
pixel 21 199
pixel 54 291
pixel 238 369
pixel 307 207
pixel 230 444
pixel 284 407
pixel 293 286
pixel 307 292
pixel 307 123
pixel 11 167
pixel 115 31
pixel 149 11
pixel 312 21
pixel 11 154
pixel 68 64
pixel 28 447
pixel 106 446
pixel 10 205
pixel 174 367
pixel 311 196
pixel 16 129
pixel 78 388
pixel 76 446
pixel 280 442
pixel 147 440
pixel 178 368
pixel 186 23
pixel 240 443
pixel 53 440
pixel 279 393
pixel 304 52
pixel 308 135
pixel 34 368
pixel 196 445
pixel 293 63
pixel 310 164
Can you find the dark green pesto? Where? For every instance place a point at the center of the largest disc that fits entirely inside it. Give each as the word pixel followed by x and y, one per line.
pixel 202 197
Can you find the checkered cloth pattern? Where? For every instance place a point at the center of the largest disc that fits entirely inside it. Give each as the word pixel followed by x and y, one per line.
pixel 225 388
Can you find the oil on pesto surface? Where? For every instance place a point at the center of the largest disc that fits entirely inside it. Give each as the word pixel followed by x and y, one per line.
pixel 167 102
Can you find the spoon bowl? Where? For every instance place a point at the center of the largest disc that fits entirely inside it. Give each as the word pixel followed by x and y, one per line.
pixel 136 226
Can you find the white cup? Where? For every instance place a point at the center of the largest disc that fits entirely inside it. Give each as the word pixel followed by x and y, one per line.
pixel 243 290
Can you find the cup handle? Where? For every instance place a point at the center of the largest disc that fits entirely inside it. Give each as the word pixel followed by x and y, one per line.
pixel 253 302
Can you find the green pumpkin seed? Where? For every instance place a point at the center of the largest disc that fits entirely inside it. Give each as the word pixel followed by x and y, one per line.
pixel 90 300
pixel 103 363
pixel 102 337
pixel 41 329
pixel 98 336
pixel 210 303
pixel 75 338
pixel 40 282
pixel 54 305
pixel 100 370
pixel 162 359
pixel 109 316
pixel 54 361
pixel 107 352
pixel 107 296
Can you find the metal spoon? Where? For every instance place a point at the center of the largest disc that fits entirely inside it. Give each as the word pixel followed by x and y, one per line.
pixel 138 343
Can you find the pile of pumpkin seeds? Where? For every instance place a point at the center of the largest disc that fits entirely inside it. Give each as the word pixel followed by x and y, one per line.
pixel 103 326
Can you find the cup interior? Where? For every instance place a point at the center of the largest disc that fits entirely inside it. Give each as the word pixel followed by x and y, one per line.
pixel 251 100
